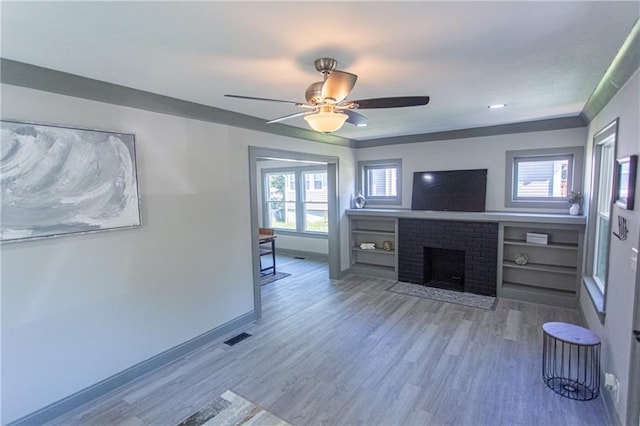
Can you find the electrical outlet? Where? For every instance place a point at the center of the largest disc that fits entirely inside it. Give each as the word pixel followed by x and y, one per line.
pixel 612 384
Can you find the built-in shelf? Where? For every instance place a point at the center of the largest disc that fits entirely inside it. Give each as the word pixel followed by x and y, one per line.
pixel 374 232
pixel 525 287
pixel 378 262
pixel 541 268
pixel 376 251
pixel 533 294
pixel 374 270
pixel 558 246
pixel 551 272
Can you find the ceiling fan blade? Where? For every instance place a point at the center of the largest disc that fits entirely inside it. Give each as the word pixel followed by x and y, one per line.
pixel 397 102
pixel 338 85
pixel 355 118
pixel 262 99
pixel 286 117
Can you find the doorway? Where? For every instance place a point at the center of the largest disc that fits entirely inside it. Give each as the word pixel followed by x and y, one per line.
pixel 257 154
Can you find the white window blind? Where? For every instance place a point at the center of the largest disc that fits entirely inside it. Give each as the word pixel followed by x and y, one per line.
pixel 382 182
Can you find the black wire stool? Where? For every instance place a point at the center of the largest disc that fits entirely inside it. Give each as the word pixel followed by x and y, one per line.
pixel 571 360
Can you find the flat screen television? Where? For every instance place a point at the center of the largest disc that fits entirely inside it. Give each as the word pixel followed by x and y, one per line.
pixel 450 190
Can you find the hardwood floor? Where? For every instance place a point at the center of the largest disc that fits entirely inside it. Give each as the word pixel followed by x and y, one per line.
pixel 338 352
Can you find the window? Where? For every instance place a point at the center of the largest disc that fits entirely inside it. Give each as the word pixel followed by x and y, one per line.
pixel 543 178
pixel 603 210
pixel 599 225
pixel 281 200
pixel 380 181
pixel 296 199
pixel 315 202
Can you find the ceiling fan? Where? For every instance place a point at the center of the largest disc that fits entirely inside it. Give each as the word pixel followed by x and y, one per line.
pixel 327 109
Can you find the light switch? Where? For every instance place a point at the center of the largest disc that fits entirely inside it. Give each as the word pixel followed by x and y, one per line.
pixel 634 258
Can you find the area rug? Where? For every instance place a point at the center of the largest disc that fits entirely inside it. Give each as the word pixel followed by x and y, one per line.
pixel 271 278
pixel 466 299
pixel 232 409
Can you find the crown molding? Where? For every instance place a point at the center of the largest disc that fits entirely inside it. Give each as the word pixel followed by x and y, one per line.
pixel 624 65
pixel 501 129
pixel 34 77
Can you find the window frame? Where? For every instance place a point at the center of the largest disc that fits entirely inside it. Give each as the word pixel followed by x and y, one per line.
pixel 363 184
pixel 575 155
pixel 266 199
pixel 598 294
pixel 300 199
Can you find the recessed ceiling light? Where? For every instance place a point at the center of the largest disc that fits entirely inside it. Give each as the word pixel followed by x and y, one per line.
pixel 497 106
pixel 361 125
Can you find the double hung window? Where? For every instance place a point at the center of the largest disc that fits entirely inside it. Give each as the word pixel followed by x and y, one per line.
pixel 280 200
pixel 296 199
pixel 599 225
pixel 602 210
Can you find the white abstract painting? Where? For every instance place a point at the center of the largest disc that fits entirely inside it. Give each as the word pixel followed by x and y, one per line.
pixel 58 181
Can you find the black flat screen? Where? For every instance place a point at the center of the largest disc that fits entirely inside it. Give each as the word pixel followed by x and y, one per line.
pixel 451 190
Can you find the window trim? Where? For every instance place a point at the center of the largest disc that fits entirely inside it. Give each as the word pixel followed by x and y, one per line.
pixel 574 180
pixel 597 296
pixel 364 166
pixel 298 171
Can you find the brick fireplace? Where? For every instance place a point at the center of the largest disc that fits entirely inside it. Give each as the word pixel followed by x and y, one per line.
pixel 458 255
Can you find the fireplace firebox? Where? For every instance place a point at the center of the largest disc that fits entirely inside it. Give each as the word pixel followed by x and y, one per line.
pixel 444 268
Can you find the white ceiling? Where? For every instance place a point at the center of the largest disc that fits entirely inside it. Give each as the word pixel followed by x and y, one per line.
pixel 543 59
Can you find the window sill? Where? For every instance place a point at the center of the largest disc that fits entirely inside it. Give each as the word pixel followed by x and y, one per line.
pixel 382 202
pixel 560 204
pixel 596 296
pixel 301 234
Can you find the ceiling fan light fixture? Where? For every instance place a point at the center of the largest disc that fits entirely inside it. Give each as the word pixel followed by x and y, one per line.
pixel 326 122
pixel 327 107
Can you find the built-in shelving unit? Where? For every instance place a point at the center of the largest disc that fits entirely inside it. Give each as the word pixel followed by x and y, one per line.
pixel 551 272
pixel 377 262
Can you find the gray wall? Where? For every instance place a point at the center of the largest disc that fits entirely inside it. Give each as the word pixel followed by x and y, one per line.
pixel 622 280
pixel 79 309
pixel 473 153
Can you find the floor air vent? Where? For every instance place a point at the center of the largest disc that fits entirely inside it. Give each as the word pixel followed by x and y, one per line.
pixel 298 257
pixel 237 339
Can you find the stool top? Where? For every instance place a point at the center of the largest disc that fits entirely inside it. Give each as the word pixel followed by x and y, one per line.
pixel 571 333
